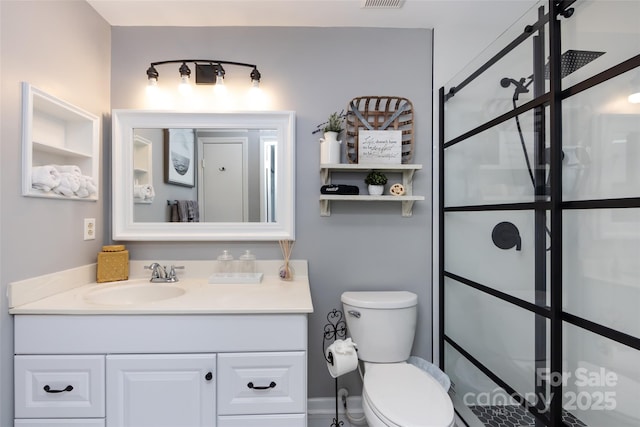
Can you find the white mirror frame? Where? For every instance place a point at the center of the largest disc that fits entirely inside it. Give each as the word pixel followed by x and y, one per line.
pixel 123 226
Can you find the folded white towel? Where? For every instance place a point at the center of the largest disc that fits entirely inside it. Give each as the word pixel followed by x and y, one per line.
pixel 143 192
pixel 45 178
pixel 69 184
pixel 86 188
pixel 72 169
pixel 91 186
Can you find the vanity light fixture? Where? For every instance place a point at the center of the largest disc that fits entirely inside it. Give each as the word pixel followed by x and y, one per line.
pixel 208 72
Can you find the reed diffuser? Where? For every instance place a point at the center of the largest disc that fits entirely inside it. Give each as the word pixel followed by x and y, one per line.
pixel 286 271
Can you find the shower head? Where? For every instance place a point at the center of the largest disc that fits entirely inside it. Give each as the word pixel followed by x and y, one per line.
pixel 573 60
pixel 521 85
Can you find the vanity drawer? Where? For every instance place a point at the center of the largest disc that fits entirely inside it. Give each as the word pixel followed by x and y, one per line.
pixel 262 383
pixel 280 420
pixel 59 386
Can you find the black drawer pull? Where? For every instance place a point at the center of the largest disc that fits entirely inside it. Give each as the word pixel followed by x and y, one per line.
pixel 48 389
pixel 272 384
pixel 209 376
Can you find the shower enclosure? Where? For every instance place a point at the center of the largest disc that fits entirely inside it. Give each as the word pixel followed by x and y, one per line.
pixel 539 308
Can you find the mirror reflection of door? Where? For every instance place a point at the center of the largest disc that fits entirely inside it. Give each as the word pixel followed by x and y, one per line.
pixel 222 189
pixel 268 179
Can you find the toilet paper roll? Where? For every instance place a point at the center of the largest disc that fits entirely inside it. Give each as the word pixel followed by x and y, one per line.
pixel 344 356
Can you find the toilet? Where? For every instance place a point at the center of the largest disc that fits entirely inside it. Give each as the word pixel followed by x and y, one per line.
pixel 394 393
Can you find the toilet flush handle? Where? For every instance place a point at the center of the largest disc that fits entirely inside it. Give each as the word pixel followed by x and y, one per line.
pixel 354 313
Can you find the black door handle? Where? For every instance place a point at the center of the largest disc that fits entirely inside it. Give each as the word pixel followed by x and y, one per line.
pixel 209 376
pixel 49 390
pixel 272 384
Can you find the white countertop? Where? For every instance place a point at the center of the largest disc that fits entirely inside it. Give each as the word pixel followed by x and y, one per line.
pixel 64 292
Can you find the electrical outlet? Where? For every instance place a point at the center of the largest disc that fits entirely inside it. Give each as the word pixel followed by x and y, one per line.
pixel 89 229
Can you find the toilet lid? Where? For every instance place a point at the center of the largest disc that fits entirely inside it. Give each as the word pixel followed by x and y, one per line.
pixel 402 394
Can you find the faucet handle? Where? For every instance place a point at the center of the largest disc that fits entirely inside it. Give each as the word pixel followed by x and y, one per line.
pixel 172 272
pixel 157 271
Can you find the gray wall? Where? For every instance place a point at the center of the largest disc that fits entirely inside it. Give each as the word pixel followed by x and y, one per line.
pixel 313 71
pixel 63 48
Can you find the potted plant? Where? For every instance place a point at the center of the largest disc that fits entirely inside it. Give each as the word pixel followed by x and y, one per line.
pixel 334 124
pixel 375 181
pixel 330 145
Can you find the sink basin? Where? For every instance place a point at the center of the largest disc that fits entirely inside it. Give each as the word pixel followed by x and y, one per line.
pixel 138 293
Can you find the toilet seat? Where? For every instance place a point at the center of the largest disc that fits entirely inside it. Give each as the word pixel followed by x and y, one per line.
pixel 402 395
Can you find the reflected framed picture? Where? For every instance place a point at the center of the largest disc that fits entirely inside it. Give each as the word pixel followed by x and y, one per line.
pixel 179 157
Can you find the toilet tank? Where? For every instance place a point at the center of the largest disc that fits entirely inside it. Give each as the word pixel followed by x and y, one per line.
pixel 382 324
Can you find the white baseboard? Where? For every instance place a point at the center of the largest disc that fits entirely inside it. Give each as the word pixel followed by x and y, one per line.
pixel 318 406
pixel 327 406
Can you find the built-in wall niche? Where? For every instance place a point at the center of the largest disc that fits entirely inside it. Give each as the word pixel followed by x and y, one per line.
pixel 142 170
pixel 60 148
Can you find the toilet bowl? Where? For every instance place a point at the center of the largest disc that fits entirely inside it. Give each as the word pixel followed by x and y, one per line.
pixel 402 395
pixel 394 393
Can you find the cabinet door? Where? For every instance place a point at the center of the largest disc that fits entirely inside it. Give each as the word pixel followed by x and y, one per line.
pixel 161 390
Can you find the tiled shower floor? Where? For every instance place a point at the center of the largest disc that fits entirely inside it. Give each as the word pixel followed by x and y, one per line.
pixel 514 416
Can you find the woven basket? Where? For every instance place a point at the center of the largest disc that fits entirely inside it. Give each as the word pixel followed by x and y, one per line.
pixel 373 112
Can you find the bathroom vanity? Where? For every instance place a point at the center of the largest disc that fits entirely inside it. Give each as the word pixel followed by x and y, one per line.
pixel 225 355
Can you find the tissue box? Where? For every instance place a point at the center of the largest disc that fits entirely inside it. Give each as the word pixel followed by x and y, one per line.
pixel 113 264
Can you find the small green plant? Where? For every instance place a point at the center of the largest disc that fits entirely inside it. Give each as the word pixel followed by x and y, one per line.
pixel 334 124
pixel 375 178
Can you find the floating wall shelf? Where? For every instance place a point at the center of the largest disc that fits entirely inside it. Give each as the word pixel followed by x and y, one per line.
pixel 407 171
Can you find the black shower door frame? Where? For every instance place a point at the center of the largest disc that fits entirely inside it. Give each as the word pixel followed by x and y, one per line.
pixel 548 201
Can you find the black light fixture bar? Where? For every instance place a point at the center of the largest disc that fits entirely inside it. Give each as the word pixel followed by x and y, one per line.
pixel 207 70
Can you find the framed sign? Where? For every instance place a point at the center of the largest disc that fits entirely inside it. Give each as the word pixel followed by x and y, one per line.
pixel 380 146
pixel 179 157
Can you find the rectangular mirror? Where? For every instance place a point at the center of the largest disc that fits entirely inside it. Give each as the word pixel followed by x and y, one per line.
pixel 203 176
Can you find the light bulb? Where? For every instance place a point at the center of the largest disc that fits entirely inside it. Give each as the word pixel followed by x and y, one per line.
pixel 220 87
pixel 634 98
pixel 152 87
pixel 185 87
pixel 256 98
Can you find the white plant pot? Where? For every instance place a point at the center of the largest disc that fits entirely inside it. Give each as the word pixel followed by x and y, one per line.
pixel 330 148
pixel 375 190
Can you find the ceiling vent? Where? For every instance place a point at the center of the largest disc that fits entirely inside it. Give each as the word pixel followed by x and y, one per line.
pixel 381 4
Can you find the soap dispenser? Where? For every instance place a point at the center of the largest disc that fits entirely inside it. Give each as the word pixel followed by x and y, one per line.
pixel 225 263
pixel 248 262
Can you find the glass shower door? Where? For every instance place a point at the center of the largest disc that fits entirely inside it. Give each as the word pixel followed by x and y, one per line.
pixel 540 222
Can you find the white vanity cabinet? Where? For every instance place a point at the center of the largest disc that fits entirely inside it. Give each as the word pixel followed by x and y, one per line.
pixel 204 370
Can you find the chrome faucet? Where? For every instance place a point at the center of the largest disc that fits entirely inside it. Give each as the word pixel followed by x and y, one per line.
pixel 159 273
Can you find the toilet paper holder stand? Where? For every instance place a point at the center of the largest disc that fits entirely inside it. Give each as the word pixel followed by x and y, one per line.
pixel 336 328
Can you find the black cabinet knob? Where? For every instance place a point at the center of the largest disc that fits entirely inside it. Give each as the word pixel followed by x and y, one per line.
pixel 209 376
